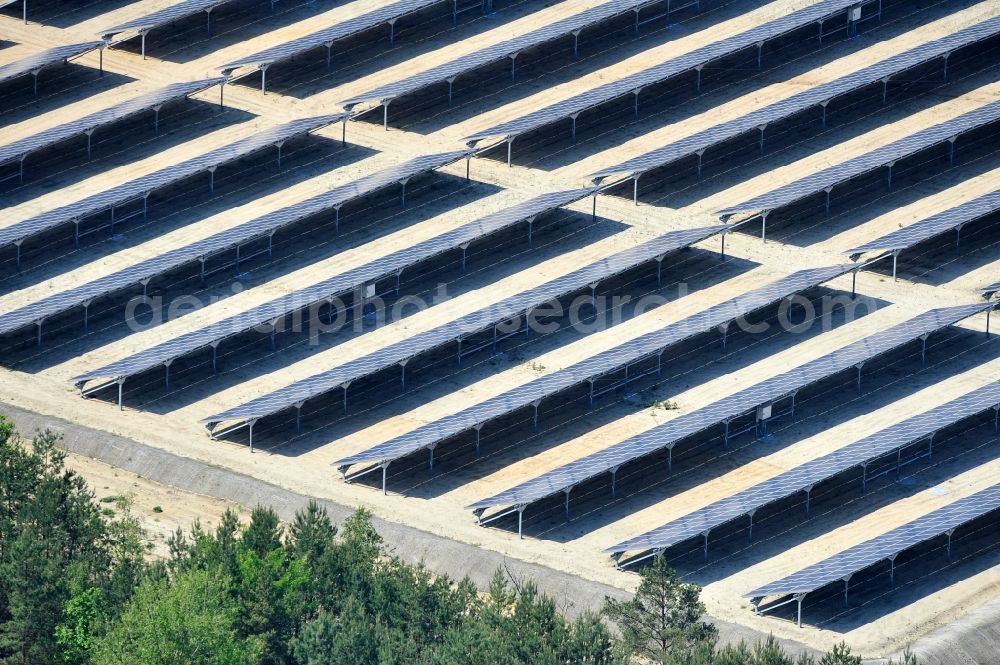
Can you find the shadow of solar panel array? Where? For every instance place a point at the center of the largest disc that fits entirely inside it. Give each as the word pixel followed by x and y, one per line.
pixel 141 26
pixel 151 101
pixel 884 156
pixel 508 49
pixel 820 95
pixel 490 316
pixel 804 477
pixel 692 61
pixel 345 282
pixel 143 186
pixel 721 413
pixel 327 37
pixel 885 547
pixel 199 251
pixel 952 219
pixel 637 351
pixel 33 64
pixel 647 345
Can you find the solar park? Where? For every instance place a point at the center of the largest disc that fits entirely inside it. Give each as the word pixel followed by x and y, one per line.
pixel 613 280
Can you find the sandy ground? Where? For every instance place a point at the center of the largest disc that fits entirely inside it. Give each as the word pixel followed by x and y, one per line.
pixel 160 508
pixel 437 503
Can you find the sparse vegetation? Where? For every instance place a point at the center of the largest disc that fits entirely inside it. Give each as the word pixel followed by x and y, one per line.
pixel 665 404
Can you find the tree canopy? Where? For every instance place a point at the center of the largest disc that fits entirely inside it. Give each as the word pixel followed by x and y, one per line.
pixel 77 587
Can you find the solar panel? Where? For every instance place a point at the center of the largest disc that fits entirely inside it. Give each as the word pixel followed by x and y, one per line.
pixel 988 291
pixel 686 62
pixel 368 273
pixel 818 95
pixel 37 61
pixel 925 229
pixel 19 149
pixel 325 37
pixel 163 17
pixel 142 186
pixel 643 346
pixel 803 477
pixel 261 227
pixel 883 156
pixel 666 435
pixel 474 321
pixel 844 564
pixel 510 48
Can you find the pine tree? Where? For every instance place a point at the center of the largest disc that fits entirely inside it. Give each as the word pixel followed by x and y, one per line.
pixel 662 622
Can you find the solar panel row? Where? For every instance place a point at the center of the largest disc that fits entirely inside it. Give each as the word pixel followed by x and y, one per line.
pixel 259 228
pixel 449 71
pixel 770 391
pixel 141 26
pixel 141 187
pixel 821 95
pixel 952 219
pixel 884 156
pixel 34 63
pixel 261 60
pixel 644 346
pixel 805 476
pixel 368 273
pixel 151 101
pixel 634 83
pixel 988 291
pixel 885 547
pixel 478 320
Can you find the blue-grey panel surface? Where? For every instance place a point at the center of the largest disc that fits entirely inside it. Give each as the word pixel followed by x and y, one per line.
pixel 869 161
pixel 483 318
pixel 326 36
pixel 33 63
pixel 500 51
pixel 663 71
pixel 141 186
pixel 880 548
pixel 935 225
pixel 988 291
pixel 666 435
pixel 820 94
pixel 163 16
pixel 616 357
pixel 106 116
pixel 804 476
pixel 260 227
pixel 367 273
